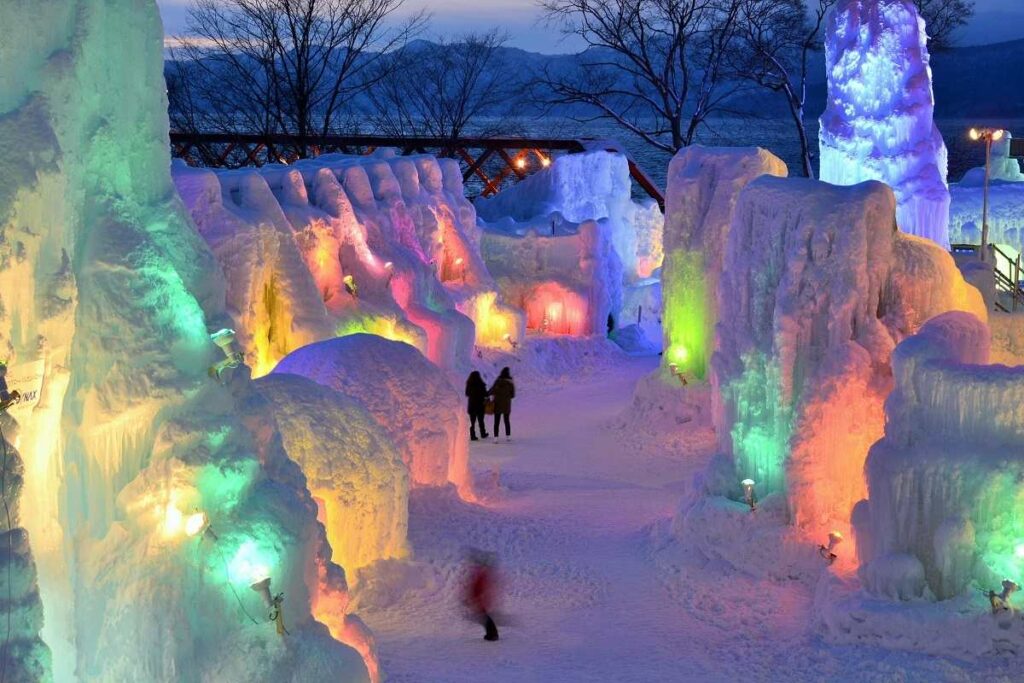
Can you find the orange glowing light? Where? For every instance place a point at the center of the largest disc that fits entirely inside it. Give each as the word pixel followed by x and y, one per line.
pixel 520 163
pixel 545 161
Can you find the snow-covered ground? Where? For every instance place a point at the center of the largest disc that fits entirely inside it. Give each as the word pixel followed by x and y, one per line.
pixel 591 593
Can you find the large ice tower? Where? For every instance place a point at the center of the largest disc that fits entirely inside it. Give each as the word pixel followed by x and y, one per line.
pixel 878 122
pixel 106 286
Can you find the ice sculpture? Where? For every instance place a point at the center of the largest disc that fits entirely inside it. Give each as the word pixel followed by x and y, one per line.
pixel 817 288
pixel 703 187
pixel 570 247
pixel 944 482
pixel 353 469
pixel 409 397
pixel 131 446
pixel 878 121
pixel 339 244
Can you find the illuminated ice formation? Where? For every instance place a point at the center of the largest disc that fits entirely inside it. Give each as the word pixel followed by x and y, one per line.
pixel 878 122
pixel 569 246
pixel 352 468
pixel 703 187
pixel 943 524
pixel 339 245
pixel 108 289
pixel 944 482
pixel 409 397
pixel 817 287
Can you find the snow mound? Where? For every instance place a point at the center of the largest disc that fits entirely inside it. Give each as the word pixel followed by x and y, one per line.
pixel 878 124
pixel 408 396
pixel 354 472
pixel 633 341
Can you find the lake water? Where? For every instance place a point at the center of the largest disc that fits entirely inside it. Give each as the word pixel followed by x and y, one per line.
pixel 776 135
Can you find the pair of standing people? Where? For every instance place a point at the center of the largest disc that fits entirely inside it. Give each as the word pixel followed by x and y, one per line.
pixel 503 391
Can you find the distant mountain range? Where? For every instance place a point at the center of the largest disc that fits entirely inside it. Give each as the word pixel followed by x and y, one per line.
pixel 970 82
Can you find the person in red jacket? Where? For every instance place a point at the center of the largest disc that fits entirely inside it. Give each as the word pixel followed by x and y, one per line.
pixel 481 592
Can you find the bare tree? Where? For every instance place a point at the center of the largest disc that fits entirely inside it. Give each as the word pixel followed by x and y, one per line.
pixel 777 41
pixel 287 65
pixel 943 18
pixel 439 89
pixel 655 67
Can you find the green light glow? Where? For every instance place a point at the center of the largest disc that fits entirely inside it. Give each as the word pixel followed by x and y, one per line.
pixel 688 320
pixel 222 488
pixel 251 562
pixel 762 425
pixel 998 519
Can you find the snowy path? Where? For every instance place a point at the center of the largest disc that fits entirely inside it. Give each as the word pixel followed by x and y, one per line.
pixel 586 599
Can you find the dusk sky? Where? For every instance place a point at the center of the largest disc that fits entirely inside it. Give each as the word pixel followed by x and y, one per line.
pixel 994 21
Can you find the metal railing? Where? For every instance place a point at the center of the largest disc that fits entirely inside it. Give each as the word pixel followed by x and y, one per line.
pixel 488 164
pixel 1007 272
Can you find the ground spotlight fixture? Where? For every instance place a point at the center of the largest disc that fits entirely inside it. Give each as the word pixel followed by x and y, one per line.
pixel 748 493
pixel 1000 602
pixel 834 538
pixel 390 268
pixel 350 286
pixel 198 524
pixel 513 344
pixel 674 369
pixel 273 603
pixel 225 339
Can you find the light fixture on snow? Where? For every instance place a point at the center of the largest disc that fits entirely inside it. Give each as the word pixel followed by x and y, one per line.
pixel 834 538
pixel 390 268
pixel 748 493
pixel 1000 602
pixel 513 344
pixel 225 339
pixel 674 369
pixel 350 286
pixel 273 602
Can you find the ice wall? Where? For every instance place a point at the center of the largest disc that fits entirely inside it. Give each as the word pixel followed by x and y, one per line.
pixel 878 121
pixel 817 288
pixel 575 188
pixel 410 398
pixel 338 245
pixel 944 494
pixel 353 469
pixel 704 185
pixel 107 287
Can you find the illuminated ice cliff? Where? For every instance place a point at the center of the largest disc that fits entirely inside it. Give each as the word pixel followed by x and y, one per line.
pixel 339 245
pixel 108 289
pixel 878 123
pixel 703 187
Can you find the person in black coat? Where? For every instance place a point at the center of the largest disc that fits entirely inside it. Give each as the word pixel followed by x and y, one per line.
pixel 503 391
pixel 476 398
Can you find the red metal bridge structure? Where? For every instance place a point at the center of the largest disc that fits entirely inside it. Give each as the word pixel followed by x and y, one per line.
pixel 488 164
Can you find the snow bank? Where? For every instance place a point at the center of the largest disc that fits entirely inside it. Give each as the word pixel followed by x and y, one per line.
pixel 878 124
pixel 1005 214
pixel 568 244
pixel 703 187
pixel 111 293
pixel 410 398
pixel 1007 338
pixel 354 472
pixel 339 245
pixel 817 288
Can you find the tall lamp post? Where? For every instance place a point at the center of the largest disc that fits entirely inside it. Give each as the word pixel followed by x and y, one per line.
pixel 988 135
